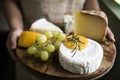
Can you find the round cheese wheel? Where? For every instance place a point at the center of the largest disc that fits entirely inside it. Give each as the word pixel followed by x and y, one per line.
pixel 84 61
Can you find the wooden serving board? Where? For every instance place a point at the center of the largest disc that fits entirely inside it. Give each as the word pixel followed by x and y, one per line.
pixel 52 70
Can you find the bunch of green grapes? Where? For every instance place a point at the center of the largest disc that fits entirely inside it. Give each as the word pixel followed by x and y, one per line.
pixel 46 44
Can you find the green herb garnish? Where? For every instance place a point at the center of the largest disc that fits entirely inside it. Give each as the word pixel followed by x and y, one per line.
pixel 75 40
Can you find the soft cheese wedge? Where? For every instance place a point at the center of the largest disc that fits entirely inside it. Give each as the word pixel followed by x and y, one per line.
pixel 91 24
pixel 83 60
pixel 42 25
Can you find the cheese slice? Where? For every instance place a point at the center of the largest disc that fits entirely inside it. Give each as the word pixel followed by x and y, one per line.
pixel 91 24
pixel 42 25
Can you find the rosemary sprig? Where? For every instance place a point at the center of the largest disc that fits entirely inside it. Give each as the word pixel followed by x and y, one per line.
pixel 75 40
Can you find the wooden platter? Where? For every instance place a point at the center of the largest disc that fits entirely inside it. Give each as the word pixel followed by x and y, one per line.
pixel 51 70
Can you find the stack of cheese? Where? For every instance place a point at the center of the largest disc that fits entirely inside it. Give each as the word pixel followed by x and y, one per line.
pixel 93 25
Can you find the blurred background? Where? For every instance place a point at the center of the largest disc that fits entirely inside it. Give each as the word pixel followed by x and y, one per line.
pixel 110 7
pixel 7 68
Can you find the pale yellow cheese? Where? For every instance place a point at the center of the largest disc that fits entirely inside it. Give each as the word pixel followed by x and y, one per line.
pixel 91 24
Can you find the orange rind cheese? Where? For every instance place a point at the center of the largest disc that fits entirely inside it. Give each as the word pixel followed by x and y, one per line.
pixel 27 38
pixel 83 42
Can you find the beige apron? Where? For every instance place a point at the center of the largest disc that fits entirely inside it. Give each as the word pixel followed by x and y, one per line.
pixel 53 11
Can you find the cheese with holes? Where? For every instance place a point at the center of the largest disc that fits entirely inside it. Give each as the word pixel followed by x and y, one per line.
pixel 42 25
pixel 91 24
pixel 84 61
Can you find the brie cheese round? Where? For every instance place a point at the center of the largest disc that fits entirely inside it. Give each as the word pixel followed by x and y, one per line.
pixel 84 61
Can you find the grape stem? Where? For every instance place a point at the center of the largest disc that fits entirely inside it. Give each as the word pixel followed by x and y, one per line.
pixel 44 45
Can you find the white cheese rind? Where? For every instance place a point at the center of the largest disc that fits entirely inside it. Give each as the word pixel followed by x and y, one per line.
pixel 42 25
pixel 85 61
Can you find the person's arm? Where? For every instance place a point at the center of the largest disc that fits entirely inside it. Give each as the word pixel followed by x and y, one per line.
pixel 13 14
pixel 14 19
pixel 94 5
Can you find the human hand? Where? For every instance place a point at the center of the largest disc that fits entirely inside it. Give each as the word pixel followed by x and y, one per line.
pixel 110 35
pixel 12 41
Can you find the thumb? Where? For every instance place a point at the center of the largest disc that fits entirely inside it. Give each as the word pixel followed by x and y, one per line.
pixel 14 42
pixel 110 35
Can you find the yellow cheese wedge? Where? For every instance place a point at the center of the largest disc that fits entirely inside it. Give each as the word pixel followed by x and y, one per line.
pixel 91 24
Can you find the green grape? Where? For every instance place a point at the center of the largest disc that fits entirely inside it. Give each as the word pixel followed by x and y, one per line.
pixel 44 55
pixel 48 34
pixel 41 38
pixel 50 48
pixel 31 50
pixel 61 36
pixel 37 54
pixel 57 44
pixel 55 33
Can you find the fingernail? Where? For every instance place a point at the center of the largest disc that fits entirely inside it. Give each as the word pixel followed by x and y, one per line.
pixel 113 39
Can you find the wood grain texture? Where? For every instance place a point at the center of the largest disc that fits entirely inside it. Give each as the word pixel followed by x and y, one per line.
pixel 51 70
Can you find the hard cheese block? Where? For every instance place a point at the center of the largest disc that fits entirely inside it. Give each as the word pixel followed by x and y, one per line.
pixel 91 24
